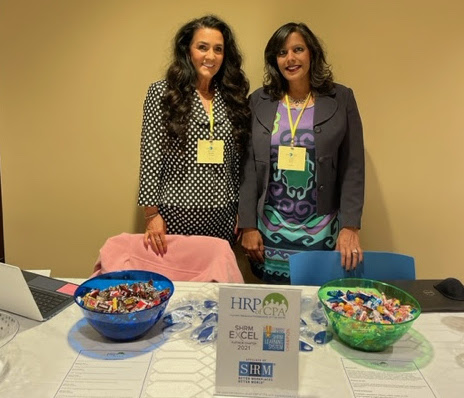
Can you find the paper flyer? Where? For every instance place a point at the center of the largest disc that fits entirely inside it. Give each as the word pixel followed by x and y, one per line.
pixel 104 373
pixel 388 382
pixel 258 342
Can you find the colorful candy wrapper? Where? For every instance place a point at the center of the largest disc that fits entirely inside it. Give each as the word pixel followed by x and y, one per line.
pixel 368 307
pixel 124 298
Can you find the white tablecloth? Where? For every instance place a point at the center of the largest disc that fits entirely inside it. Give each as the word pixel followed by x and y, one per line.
pixel 42 353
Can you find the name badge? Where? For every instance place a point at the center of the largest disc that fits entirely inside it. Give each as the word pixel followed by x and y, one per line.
pixel 210 151
pixel 291 158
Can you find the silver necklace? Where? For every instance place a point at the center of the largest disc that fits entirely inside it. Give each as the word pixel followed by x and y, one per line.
pixel 298 101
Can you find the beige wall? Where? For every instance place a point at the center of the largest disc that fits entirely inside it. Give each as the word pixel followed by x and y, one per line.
pixel 73 76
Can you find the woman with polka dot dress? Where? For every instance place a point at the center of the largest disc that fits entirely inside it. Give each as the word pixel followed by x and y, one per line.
pixel 194 131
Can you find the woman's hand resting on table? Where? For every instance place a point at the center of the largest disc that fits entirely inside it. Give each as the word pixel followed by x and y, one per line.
pixel 155 235
pixel 252 243
pixel 350 248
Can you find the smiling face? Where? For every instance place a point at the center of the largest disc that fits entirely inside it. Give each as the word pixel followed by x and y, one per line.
pixel 293 60
pixel 207 54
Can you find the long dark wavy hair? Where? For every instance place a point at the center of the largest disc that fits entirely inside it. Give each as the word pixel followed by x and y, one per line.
pixel 182 77
pixel 320 74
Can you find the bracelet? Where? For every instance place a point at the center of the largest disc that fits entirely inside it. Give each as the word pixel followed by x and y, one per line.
pixel 151 216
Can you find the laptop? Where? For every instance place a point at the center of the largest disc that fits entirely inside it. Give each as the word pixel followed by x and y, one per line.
pixel 31 295
pixel 430 299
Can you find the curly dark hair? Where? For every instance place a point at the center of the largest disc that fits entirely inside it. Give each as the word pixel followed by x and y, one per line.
pixel 181 80
pixel 320 74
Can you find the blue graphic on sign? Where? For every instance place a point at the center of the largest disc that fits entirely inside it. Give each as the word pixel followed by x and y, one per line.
pixel 274 341
pixel 256 369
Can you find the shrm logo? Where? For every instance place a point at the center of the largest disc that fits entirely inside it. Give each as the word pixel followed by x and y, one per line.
pixel 274 305
pixel 255 369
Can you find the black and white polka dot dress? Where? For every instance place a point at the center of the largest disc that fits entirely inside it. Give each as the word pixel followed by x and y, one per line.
pixel 193 198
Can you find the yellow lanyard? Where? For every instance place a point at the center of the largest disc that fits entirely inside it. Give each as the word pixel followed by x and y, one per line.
pixel 211 121
pixel 293 127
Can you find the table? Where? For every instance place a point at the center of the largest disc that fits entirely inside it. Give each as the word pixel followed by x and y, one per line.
pixel 42 354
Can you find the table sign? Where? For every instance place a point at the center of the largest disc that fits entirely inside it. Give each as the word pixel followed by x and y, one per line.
pixel 258 342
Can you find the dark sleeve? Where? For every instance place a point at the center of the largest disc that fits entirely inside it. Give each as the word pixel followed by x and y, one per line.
pixel 351 168
pixel 248 199
pixel 150 148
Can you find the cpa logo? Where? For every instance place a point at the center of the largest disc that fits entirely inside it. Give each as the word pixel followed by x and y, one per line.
pixel 274 304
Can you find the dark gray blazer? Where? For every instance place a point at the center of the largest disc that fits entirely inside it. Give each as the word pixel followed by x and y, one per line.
pixel 339 157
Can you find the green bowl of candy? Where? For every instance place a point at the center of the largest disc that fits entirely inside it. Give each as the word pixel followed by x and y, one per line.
pixel 366 314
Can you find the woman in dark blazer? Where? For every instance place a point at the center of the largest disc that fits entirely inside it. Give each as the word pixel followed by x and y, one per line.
pixel 302 186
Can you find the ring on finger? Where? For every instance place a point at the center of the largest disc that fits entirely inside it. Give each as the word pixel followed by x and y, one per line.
pixel 354 251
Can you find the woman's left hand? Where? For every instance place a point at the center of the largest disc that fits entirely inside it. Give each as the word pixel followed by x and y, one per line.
pixel 350 248
pixel 155 235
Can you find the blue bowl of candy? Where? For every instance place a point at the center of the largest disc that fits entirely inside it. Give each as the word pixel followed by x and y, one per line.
pixel 366 314
pixel 124 305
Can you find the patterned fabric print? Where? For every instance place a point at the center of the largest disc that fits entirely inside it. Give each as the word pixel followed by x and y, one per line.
pixel 173 180
pixel 216 222
pixel 290 223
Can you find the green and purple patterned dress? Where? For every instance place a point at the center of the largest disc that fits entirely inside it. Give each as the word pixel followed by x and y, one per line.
pixel 290 223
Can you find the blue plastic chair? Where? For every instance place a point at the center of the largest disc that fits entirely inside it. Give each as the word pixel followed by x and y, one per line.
pixel 315 267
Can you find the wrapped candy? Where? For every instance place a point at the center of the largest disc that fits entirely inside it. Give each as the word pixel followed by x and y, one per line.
pixel 369 307
pixel 124 298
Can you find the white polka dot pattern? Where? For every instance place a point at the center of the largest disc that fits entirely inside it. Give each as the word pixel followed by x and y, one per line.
pixel 173 180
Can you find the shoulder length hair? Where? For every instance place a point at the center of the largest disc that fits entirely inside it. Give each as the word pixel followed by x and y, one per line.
pixel 320 74
pixel 181 80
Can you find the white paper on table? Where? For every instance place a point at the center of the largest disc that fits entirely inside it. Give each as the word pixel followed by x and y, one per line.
pixel 106 374
pixel 386 379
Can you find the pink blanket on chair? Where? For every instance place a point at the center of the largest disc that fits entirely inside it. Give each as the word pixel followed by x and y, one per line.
pixel 188 258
